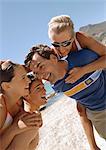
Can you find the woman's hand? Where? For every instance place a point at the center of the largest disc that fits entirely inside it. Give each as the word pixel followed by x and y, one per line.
pixel 26 120
pixel 75 74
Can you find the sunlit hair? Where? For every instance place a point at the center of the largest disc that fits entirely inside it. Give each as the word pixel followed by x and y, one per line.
pixel 60 23
pixel 6 72
pixel 43 50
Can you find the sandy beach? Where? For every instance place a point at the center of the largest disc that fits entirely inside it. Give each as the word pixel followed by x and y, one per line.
pixel 62 129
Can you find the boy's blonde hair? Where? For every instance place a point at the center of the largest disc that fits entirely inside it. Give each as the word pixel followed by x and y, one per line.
pixel 60 23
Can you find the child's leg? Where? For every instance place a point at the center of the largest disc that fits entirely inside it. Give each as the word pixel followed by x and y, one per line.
pixel 87 125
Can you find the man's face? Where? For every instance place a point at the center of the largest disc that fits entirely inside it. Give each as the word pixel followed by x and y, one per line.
pixel 45 68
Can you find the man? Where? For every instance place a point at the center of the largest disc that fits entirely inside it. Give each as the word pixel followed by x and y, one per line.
pixel 89 90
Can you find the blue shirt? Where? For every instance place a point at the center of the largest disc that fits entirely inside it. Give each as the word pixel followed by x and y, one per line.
pixel 94 96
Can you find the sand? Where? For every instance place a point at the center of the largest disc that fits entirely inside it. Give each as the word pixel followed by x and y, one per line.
pixel 62 129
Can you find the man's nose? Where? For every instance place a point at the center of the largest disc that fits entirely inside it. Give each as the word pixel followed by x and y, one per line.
pixel 42 86
pixel 38 75
pixel 35 70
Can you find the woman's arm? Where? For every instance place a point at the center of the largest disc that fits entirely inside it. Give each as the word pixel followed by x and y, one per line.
pixel 7 137
pixel 23 122
pixel 89 42
pixel 3 111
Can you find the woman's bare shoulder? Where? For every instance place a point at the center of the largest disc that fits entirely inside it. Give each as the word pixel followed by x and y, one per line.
pixel 3 111
pixel 82 38
pixel 87 41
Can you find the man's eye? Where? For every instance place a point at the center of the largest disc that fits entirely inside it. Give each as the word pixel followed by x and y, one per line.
pixel 41 67
pixel 23 77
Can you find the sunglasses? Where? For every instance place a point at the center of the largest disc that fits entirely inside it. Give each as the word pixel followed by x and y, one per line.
pixel 63 44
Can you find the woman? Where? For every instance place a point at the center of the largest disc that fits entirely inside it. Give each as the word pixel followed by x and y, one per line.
pixel 18 129
pixel 64 41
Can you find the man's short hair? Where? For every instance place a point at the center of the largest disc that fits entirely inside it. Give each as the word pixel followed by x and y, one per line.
pixel 43 50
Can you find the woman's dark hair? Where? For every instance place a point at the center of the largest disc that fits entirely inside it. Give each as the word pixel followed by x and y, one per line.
pixel 6 72
pixel 43 50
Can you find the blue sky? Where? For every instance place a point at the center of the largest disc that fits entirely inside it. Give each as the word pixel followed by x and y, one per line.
pixel 24 23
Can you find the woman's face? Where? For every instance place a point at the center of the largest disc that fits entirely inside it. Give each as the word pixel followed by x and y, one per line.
pixel 20 82
pixel 38 93
pixel 62 42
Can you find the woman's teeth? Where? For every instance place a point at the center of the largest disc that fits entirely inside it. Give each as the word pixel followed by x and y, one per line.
pixel 27 87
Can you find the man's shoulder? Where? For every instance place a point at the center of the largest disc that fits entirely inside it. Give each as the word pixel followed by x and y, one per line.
pixel 82 57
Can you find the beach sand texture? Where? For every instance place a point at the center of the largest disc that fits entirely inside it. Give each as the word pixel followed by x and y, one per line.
pixel 62 129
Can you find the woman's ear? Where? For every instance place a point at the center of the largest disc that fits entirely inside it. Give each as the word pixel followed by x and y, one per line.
pixel 5 86
pixel 53 58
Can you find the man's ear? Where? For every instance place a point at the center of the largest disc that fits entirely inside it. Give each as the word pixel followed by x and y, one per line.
pixel 5 86
pixel 53 58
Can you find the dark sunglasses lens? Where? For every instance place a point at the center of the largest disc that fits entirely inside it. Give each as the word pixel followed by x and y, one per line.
pixel 55 45
pixel 66 44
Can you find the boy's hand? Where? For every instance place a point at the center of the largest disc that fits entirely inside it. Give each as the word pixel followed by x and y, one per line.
pixel 24 121
pixel 30 120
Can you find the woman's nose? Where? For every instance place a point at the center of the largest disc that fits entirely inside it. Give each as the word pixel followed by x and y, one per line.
pixel 61 49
